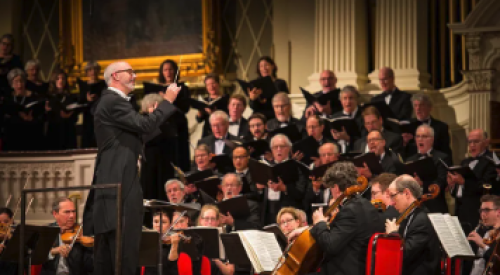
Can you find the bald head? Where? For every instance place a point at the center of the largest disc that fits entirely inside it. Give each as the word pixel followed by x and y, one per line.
pixel 327 80
pixel 478 142
pixel 121 76
pixel 386 79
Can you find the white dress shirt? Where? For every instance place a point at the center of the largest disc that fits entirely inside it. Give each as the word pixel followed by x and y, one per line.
pixel 120 93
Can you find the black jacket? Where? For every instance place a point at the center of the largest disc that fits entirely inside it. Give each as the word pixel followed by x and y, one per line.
pixel 345 242
pixel 421 253
pixel 400 104
pixel 207 130
pixel 252 221
pixel 266 107
pixel 210 142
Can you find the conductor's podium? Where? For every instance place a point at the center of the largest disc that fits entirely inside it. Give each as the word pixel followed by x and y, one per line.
pixel 384 255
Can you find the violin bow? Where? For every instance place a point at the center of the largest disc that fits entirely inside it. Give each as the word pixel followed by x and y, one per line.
pixel 76 236
pixel 178 69
pixel 174 223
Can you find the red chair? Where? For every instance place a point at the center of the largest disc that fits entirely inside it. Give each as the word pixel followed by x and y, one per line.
pixel 143 269
pixel 384 255
pixel 36 269
pixel 206 267
pixel 184 265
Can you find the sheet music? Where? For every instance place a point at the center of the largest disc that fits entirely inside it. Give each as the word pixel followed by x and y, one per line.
pixel 451 235
pixel 262 248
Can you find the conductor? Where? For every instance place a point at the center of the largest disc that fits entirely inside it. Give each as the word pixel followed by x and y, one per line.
pixel 118 129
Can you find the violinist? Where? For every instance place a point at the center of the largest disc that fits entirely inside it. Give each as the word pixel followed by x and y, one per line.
pixel 421 252
pixel 64 259
pixel 380 184
pixel 490 217
pixel 6 268
pixel 344 240
pixel 170 251
pixel 210 216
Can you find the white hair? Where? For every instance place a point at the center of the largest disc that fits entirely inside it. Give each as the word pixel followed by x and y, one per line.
pixel 285 138
pixel 31 63
pixel 335 147
pixel 228 175
pixel 112 68
pixel 428 128
pixel 172 181
pixel 219 114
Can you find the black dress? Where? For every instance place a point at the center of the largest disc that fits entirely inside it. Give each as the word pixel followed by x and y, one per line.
pixel 88 137
pixel 266 108
pixel 20 134
pixel 61 132
pixel 5 67
pixel 39 90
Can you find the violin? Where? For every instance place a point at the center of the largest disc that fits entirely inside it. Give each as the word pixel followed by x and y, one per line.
pixel 379 204
pixel 493 236
pixel 5 231
pixel 75 235
pixel 167 240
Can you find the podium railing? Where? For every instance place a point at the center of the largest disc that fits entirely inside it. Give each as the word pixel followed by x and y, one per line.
pixel 72 188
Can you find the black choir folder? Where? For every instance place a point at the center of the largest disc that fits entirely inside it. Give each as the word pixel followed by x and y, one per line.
pixel 257 148
pixel 212 244
pixel 371 160
pixel 266 84
pixel 94 88
pixel 321 97
pixel 261 249
pixel 424 168
pixel 344 123
pixel 291 131
pixel 451 236
pixel 465 171
pixel 263 172
pixel 201 104
pixel 308 147
pixel 238 207
pixel 401 126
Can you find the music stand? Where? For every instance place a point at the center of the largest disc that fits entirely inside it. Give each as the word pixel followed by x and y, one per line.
pixel 157 205
pixel 38 241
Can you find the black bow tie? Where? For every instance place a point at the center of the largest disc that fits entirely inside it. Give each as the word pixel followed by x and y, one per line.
pixel 234 123
pixel 422 155
pixel 387 93
pixel 426 121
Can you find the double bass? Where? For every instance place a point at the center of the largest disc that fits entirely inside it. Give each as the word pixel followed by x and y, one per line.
pixel 303 256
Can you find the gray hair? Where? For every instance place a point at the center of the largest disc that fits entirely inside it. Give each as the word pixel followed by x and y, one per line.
pixel 111 69
pixel 32 62
pixel 172 181
pixel 149 100
pixel 428 128
pixel 349 89
pixel 423 98
pixel 219 114
pixel 343 174
pixel 281 96
pixel 56 204
pixel 15 73
pixel 92 65
pixel 238 178
pixel 335 147
pixel 278 136
pixel 408 182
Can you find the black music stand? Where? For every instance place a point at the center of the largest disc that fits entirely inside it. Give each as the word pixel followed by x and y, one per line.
pixel 157 205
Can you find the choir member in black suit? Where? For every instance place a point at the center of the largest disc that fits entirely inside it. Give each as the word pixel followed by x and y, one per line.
pixel 8 61
pixel 240 163
pixel 266 67
pixel 212 84
pixel 34 82
pixel 315 127
pixel 328 82
pixel 424 138
pixel 61 122
pixel 378 191
pixel 238 125
pixel 202 161
pixel 211 217
pixel 64 259
pixel 178 124
pixel 388 159
pixel 422 105
pixel 490 217
pixel 6 268
pixel 345 240
pixel 399 102
pixel 231 186
pixel 175 191
pixel 421 252
pixel 349 98
pixel 92 70
pixel 219 122
pixel 22 116
pixel 118 129
pixel 467 191
pixel 290 188
pixel 373 121
pixel 258 130
pixel 316 191
pixel 170 251
pixel 282 107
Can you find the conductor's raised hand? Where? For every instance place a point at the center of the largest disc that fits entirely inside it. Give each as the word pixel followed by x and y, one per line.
pixel 171 92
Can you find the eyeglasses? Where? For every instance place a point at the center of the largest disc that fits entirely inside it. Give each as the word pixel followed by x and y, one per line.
pixel 422 136
pixel 257 125
pixel 394 195
pixel 129 71
pixel 327 155
pixel 201 156
pixel 209 219
pixel 281 106
pixel 287 221
pixel 279 147
pixel 474 141
pixel 373 140
pixel 231 185
pixel 486 210
pixel 240 157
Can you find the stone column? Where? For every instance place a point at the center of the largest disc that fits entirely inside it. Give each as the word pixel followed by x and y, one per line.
pixel 340 42
pixel 401 42
pixel 480 91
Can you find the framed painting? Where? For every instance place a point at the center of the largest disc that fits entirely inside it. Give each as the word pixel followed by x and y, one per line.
pixel 143 33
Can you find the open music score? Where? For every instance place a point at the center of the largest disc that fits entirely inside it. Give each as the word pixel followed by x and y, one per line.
pixel 451 235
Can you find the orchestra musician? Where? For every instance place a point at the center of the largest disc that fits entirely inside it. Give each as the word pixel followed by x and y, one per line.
pixel 379 186
pixel 64 259
pixel 421 253
pixel 288 219
pixel 490 217
pixel 344 241
pixel 6 216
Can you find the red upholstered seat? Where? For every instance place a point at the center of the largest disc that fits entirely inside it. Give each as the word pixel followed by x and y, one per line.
pixel 142 270
pixel 36 269
pixel 384 255
pixel 184 265
pixel 206 267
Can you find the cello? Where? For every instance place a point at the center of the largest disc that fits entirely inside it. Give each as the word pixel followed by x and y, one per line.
pixel 303 256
